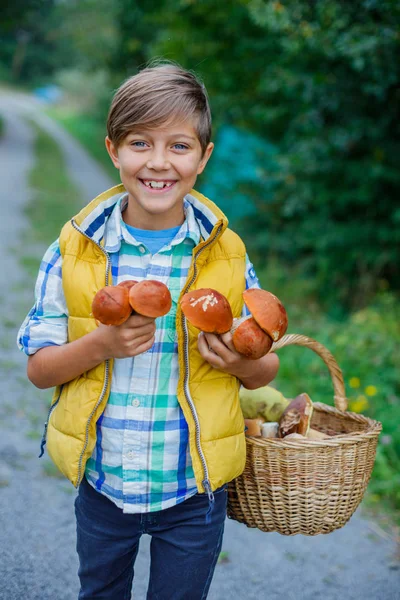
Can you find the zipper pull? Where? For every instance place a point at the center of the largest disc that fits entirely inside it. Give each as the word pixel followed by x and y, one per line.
pixel 43 442
pixel 207 487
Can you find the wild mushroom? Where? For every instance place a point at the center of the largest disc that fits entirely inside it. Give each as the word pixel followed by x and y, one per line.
pixel 128 283
pixel 253 427
pixel 269 430
pixel 296 417
pixel 249 339
pixel 150 298
pixel 254 335
pixel 208 310
pixel 113 304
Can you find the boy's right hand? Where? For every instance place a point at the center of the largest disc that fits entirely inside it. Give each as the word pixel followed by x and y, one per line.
pixel 134 336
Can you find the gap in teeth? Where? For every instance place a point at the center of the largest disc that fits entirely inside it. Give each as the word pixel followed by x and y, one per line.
pixel 158 185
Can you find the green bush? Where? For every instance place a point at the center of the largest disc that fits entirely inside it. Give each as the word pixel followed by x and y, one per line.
pixel 365 345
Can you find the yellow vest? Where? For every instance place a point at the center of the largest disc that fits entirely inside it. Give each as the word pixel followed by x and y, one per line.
pixel 209 398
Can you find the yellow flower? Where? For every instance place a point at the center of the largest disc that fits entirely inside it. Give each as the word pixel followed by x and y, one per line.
pixel 360 404
pixel 354 382
pixel 371 390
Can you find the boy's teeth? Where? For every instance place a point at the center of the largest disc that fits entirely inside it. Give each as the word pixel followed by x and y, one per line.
pixel 158 185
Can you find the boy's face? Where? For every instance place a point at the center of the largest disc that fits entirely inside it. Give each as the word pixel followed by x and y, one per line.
pixel 158 167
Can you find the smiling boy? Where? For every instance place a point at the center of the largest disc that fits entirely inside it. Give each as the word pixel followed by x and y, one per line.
pixel 145 418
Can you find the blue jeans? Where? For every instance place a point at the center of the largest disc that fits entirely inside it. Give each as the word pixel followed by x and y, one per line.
pixel 184 548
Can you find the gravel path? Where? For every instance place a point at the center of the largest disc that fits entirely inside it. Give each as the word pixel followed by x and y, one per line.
pixel 37 541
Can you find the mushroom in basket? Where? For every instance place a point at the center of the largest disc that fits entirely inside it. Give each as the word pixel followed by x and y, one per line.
pixel 280 417
pixel 253 336
pixel 113 304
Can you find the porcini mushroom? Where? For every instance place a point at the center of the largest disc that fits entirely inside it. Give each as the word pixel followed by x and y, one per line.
pixel 150 298
pixel 113 304
pixel 249 339
pixel 268 311
pixel 208 310
pixel 128 283
pixel 253 427
pixel 254 335
pixel 296 417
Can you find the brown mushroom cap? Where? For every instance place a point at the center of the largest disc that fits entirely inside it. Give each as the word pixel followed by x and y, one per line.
pixel 150 298
pixel 268 311
pixel 128 283
pixel 253 427
pixel 111 305
pixel 249 339
pixel 296 417
pixel 208 310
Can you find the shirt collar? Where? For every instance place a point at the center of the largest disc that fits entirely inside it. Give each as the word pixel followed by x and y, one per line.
pixel 115 230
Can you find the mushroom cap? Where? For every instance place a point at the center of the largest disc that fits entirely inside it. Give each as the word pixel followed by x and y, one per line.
pixel 249 339
pixel 150 298
pixel 128 283
pixel 297 416
pixel 111 305
pixel 268 311
pixel 208 310
pixel 253 427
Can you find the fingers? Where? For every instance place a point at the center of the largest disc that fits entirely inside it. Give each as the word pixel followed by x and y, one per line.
pixel 206 344
pixel 222 345
pixel 136 320
pixel 227 339
pixel 142 345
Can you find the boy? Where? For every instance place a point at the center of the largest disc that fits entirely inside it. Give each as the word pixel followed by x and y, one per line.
pixel 145 418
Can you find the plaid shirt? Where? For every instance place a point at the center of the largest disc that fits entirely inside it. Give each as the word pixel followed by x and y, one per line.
pixel 141 460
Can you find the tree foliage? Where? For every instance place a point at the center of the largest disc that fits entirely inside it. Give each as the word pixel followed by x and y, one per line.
pixel 318 80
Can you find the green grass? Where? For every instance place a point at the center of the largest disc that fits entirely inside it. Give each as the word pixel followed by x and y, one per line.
pixel 50 470
pixel 55 198
pixel 90 132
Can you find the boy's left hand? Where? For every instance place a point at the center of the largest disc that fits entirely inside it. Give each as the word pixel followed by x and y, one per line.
pixel 219 352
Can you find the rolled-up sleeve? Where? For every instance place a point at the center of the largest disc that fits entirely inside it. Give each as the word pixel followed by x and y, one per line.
pixel 46 324
pixel 251 282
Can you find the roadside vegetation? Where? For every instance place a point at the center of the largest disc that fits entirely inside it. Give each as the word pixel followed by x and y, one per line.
pixel 54 196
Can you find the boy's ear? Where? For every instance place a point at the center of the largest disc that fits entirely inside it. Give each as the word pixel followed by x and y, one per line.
pixel 205 158
pixel 112 151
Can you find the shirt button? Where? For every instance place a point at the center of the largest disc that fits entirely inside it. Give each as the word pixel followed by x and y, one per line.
pixel 142 249
pixel 135 402
pixel 130 454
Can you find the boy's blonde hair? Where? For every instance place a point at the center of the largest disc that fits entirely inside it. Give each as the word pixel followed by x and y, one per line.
pixel 159 94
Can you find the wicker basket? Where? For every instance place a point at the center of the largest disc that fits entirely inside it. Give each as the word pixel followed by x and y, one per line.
pixel 305 486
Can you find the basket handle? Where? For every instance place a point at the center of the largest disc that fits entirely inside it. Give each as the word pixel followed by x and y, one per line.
pixel 334 369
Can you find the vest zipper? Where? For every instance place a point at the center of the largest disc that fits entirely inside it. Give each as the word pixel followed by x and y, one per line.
pixel 107 362
pixel 206 482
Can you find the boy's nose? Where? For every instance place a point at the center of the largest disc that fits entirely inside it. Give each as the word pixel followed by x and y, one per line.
pixel 158 161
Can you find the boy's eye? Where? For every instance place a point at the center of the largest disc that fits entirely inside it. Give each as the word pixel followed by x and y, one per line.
pixel 138 144
pixel 180 146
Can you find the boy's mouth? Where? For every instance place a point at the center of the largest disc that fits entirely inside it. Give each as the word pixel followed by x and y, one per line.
pixel 157 185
